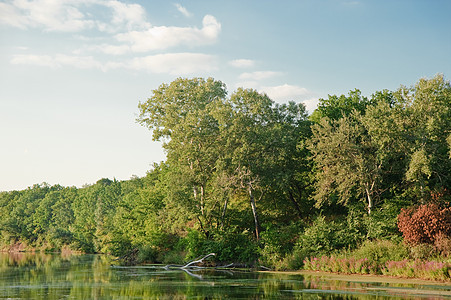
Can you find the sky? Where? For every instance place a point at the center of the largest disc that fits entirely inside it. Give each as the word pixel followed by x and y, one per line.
pixel 72 72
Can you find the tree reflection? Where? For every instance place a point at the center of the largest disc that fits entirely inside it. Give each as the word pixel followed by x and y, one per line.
pixel 46 276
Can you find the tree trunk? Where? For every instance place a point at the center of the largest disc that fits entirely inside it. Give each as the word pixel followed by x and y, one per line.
pixel 224 209
pixel 295 204
pixel 370 201
pixel 254 211
pixel 202 195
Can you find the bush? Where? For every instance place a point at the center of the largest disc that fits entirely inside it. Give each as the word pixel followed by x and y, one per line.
pixel 194 243
pixel 418 269
pixel 146 254
pixel 404 268
pixel 293 261
pixel 381 251
pixel 324 237
pixel 228 247
pixel 278 243
pixel 173 257
pixel 422 251
pixel 442 245
pixel 425 223
pixel 341 265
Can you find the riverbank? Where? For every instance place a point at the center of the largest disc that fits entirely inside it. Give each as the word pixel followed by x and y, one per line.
pixel 423 269
pixel 21 247
pixel 365 278
pixel 378 283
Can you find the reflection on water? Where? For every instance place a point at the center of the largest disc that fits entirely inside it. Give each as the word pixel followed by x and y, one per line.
pixel 45 276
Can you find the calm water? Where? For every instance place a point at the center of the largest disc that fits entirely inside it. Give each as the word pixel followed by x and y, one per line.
pixel 44 276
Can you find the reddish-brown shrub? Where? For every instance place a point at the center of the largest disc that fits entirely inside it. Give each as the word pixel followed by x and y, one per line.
pixel 424 223
pixel 442 244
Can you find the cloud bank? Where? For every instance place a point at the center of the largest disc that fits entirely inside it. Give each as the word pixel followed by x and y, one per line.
pixel 116 35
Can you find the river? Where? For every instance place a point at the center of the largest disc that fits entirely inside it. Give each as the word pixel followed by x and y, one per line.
pixel 55 276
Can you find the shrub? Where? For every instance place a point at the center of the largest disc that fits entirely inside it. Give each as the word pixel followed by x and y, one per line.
pixel 381 251
pixel 278 242
pixel 341 265
pixel 425 223
pixel 194 243
pixel 146 254
pixel 294 261
pixel 324 237
pixel 422 251
pixel 418 269
pixel 228 246
pixel 442 245
pixel 173 257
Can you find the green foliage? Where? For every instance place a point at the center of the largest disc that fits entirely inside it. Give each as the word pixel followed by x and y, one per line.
pixel 325 236
pixel 381 251
pixel 278 242
pixel 337 107
pixel 244 175
pixel 147 254
pixel 228 246
pixel 341 265
pixel 431 270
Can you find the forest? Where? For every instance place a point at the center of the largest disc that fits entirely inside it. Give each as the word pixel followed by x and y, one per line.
pixel 361 185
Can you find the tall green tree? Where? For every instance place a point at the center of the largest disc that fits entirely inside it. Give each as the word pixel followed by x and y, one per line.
pixel 349 163
pixel 398 143
pixel 260 141
pixel 180 114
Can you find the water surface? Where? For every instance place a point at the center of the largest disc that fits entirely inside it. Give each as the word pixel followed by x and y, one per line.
pixel 45 276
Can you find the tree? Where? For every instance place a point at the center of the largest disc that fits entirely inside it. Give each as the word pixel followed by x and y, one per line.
pixel 430 104
pixel 348 161
pixel 181 114
pixel 260 141
pixel 399 143
pixel 336 107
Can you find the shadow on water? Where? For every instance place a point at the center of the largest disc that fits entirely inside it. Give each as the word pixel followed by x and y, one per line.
pixel 46 276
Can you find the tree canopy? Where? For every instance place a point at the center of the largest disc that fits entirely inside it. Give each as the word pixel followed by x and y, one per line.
pixel 242 169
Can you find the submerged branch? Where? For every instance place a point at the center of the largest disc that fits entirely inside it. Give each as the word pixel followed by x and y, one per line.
pixel 191 264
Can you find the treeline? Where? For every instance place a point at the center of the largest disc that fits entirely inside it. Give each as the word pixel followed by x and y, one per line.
pixel 256 181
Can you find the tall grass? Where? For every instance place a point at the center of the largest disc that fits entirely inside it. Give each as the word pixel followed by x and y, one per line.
pixel 430 270
pixel 382 258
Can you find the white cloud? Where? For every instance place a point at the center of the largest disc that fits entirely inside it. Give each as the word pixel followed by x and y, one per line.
pixel 242 63
pixel 170 63
pixel 128 15
pixel 163 37
pixel 57 61
pixel 285 92
pixel 175 63
pixel 51 15
pixel 72 15
pixel 259 75
pixel 110 49
pixel 311 104
pixel 183 10
pixel 37 60
pixel 10 15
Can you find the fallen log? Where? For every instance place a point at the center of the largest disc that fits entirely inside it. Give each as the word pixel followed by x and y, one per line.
pixel 191 264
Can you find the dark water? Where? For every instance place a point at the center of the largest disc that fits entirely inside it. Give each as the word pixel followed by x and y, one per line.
pixel 44 276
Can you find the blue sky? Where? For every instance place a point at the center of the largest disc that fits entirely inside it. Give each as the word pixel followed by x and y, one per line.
pixel 72 72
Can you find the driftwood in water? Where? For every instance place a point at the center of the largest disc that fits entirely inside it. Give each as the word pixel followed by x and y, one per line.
pixel 191 264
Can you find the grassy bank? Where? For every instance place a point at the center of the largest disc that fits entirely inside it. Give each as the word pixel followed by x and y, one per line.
pixel 428 270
